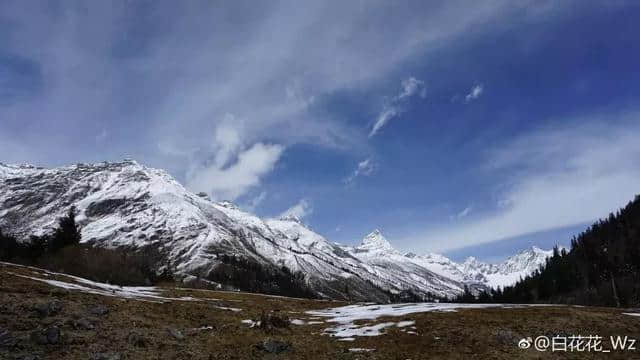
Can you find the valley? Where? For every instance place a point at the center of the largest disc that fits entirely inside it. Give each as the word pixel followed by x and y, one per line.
pixel 46 315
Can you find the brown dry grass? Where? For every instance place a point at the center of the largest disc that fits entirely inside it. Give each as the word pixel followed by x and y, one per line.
pixel 467 334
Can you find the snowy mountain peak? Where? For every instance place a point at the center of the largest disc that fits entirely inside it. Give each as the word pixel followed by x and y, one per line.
pixel 471 260
pixel 290 217
pixel 527 260
pixel 226 204
pixel 375 241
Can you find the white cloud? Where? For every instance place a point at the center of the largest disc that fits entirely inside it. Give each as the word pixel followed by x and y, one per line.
pixel 365 167
pixel 464 212
pixel 411 86
pixel 300 210
pixel 475 93
pixel 392 109
pixel 230 182
pixel 387 114
pixel 554 178
pixel 227 140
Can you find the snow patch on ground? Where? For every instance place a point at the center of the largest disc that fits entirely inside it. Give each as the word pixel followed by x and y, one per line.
pixel 75 283
pixel 402 324
pixel 347 339
pixel 346 317
pixel 351 330
pixel 632 314
pixel 251 323
pixel 127 292
pixel 228 308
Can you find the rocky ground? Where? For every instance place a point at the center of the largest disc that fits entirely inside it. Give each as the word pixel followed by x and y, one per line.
pixel 51 316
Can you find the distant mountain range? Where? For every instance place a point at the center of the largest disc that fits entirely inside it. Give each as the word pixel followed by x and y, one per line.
pixel 128 205
pixel 376 250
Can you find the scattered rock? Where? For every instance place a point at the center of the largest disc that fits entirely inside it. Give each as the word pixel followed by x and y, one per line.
pixel 273 346
pixel 270 321
pixel 48 309
pixel 99 310
pixel 106 356
pixel 53 335
pixel 48 321
pixel 6 339
pixel 30 357
pixel 38 337
pixel 507 337
pixel 48 336
pixel 83 324
pixel 137 339
pixel 177 334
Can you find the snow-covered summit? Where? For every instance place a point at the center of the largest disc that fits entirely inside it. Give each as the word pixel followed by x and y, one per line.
pixel 292 218
pixel 375 242
pixel 472 271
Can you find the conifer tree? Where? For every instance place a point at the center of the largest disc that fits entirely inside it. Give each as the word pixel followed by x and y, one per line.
pixel 67 232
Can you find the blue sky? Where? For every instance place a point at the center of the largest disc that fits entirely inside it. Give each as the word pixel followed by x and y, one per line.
pixel 455 127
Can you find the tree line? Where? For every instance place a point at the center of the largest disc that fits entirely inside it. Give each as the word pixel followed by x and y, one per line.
pixel 62 251
pixel 66 234
pixel 602 268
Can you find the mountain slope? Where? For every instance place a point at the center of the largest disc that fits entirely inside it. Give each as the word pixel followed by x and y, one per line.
pixel 389 264
pixel 128 205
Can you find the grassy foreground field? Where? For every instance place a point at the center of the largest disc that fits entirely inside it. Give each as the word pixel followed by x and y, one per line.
pixel 42 321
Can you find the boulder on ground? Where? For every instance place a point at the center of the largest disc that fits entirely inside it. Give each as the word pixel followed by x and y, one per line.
pixel 273 346
pixel 98 310
pixel 51 308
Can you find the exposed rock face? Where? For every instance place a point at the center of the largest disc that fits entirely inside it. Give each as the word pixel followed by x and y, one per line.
pixel 129 205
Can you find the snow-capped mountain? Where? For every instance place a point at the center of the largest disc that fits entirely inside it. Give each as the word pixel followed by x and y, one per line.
pixel 386 262
pixel 375 243
pixel 378 252
pixel 472 271
pixel 131 206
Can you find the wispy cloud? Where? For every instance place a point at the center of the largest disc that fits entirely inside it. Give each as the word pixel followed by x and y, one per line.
pixel 252 204
pixel 395 106
pixel 365 167
pixel 475 92
pixel 560 176
pixel 464 212
pixel 412 86
pixel 300 210
pixel 164 92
